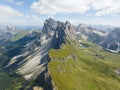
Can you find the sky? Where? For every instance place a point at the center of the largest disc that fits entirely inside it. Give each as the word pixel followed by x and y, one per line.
pixel 35 12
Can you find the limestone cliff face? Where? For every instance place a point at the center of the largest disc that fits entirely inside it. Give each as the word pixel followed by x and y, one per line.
pixel 33 58
pixel 57 32
pixel 53 31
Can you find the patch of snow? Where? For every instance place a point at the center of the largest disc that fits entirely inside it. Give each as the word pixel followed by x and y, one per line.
pixel 77 33
pixel 84 37
pixel 100 33
pixel 52 33
pixel 56 34
pixel 118 49
pixel 43 39
pixel 112 51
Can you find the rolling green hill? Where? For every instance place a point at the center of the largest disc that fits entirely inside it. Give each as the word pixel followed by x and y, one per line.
pixel 87 67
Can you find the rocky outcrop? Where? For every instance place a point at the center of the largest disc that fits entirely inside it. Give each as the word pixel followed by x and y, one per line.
pixel 57 32
pixel 53 31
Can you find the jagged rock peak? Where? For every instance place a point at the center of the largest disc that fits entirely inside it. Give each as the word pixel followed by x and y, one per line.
pixel 56 29
pixel 68 23
pixel 50 20
pixel 70 31
pixel 51 24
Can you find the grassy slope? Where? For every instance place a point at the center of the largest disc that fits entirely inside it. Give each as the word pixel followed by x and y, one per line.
pixel 78 68
pixel 10 82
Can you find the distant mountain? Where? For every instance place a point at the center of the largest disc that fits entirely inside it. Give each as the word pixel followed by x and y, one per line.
pixel 7 31
pixel 19 44
pixel 108 37
pixel 106 28
pixel 112 41
pixel 90 33
pixel 14 33
pixel 29 27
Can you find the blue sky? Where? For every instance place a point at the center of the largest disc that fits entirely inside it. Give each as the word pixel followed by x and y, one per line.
pixel 34 12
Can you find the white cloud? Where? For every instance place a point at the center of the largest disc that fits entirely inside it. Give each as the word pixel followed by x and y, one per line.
pixel 106 7
pixel 8 12
pixel 52 7
pixel 33 17
pixel 9 0
pixel 19 3
pixel 95 21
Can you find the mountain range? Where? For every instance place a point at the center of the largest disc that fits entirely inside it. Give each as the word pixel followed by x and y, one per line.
pixel 61 57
